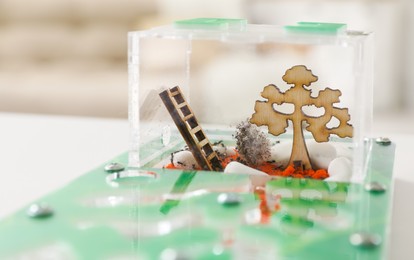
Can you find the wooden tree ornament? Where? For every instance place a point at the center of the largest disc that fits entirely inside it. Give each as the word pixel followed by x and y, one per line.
pixel 299 96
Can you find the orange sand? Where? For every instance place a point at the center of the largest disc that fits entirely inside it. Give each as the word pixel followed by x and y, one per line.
pixel 273 170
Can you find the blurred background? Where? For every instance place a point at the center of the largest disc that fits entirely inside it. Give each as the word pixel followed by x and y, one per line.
pixel 69 57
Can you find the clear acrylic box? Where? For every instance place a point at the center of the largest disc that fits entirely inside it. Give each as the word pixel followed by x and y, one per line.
pixel 223 65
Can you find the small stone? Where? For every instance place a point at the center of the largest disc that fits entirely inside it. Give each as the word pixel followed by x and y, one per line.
pixel 344 150
pixel 184 160
pixel 236 167
pixel 257 178
pixel 321 154
pixel 280 153
pixel 340 170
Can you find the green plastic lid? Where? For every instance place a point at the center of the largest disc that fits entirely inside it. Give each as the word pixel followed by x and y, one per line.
pixel 315 27
pixel 211 23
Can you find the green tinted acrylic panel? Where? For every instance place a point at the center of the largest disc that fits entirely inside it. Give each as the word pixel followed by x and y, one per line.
pixel 162 213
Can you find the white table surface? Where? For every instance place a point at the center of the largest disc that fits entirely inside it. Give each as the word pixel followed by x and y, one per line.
pixel 40 154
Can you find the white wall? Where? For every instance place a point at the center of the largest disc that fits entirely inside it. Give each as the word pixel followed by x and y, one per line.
pixel 384 18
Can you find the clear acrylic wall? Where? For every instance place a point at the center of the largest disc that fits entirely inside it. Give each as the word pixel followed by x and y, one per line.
pixel 222 66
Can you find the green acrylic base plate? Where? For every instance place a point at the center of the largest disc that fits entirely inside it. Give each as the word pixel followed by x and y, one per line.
pixel 172 214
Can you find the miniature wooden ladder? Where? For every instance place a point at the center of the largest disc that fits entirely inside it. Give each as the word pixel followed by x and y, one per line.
pixel 189 128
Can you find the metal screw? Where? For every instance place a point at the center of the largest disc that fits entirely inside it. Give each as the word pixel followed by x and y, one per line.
pixel 171 254
pixel 375 187
pixel 365 240
pixel 114 167
pixel 229 199
pixel 39 211
pixel 383 141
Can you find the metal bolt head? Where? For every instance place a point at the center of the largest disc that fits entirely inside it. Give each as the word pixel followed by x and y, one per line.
pixel 229 199
pixel 114 167
pixel 365 240
pixel 39 210
pixel 375 187
pixel 383 141
pixel 172 254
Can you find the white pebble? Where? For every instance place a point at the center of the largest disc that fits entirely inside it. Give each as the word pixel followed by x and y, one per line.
pixel 184 160
pixel 344 150
pixel 236 167
pixel 280 153
pixel 321 154
pixel 258 178
pixel 340 170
